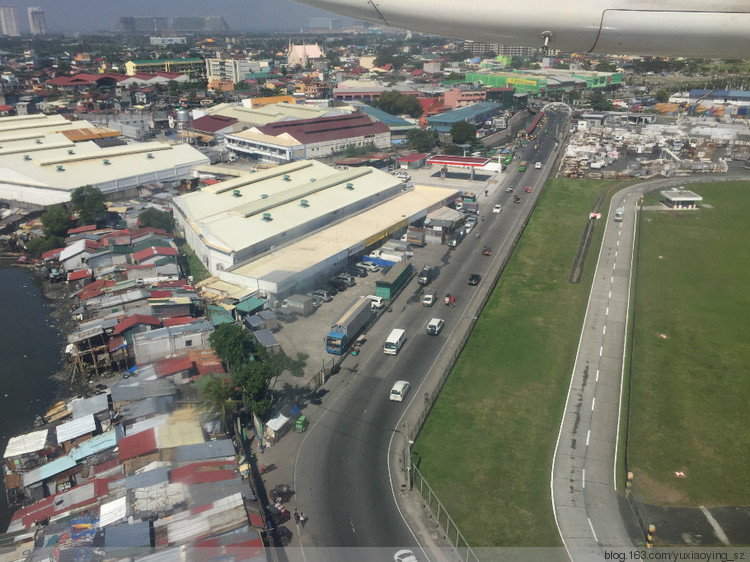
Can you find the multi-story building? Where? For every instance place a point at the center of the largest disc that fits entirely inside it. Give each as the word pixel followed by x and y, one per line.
pixel 37 23
pixel 9 21
pixel 193 67
pixel 457 97
pixel 228 69
pixel 163 41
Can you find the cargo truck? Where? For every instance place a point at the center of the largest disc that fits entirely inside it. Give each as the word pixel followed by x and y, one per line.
pixel 349 326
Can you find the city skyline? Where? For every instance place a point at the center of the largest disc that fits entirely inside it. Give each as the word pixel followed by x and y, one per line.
pixel 91 16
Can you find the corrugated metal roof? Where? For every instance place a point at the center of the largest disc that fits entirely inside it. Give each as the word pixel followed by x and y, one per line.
pixel 134 535
pixel 48 470
pixel 76 428
pixel 88 406
pixel 137 445
pixel 131 390
pixel 113 512
pixel 26 443
pixel 97 444
pixel 146 407
pixel 153 477
pixel 210 450
pixel 202 472
pixel 177 434
pixel 143 425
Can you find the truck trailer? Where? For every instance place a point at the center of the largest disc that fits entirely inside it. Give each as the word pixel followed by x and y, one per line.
pixel 349 326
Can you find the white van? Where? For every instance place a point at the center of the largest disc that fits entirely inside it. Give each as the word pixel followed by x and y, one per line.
pixel 619 214
pixel 395 340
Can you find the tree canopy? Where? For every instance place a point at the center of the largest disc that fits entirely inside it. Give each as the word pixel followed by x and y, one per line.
pixel 421 140
pixel 463 132
pixel 88 202
pixel 157 219
pixel 396 103
pixel 56 221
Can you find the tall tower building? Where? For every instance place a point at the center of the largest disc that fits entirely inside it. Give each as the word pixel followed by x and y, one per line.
pixel 9 21
pixel 36 21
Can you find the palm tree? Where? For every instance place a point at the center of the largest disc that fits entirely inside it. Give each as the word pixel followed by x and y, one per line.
pixel 217 395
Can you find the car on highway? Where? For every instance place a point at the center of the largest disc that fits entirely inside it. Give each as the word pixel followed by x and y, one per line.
pixel 527 189
pixel 369 266
pixel 435 326
pixel 399 391
pixel 405 556
pixel 509 189
pixel 538 165
pixel 486 251
pixel 429 299
pixel 516 199
pixel 497 208
pixel 474 279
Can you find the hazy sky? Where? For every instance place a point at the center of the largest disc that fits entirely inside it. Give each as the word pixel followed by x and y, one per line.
pixel 89 16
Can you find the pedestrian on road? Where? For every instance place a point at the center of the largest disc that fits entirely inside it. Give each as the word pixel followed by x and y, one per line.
pixel 302 519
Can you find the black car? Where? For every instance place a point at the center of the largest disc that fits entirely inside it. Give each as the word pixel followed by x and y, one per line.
pixel 474 279
pixel 338 284
pixel 357 271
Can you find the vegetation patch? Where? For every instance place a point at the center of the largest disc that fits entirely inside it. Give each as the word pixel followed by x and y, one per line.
pixel 487 446
pixel 691 353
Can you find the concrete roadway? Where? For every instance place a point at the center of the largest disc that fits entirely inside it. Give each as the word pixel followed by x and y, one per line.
pixel 583 481
pixel 342 475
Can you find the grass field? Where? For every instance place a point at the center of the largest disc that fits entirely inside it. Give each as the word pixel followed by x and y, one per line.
pixel 690 390
pixel 487 446
pixel 197 269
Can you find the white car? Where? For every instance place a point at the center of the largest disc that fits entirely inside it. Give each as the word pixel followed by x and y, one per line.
pixel 497 208
pixel 369 266
pixel 402 175
pixel 538 165
pixel 429 299
pixel 468 226
pixel 405 556
pixel 376 302
pixel 399 391
pixel 435 326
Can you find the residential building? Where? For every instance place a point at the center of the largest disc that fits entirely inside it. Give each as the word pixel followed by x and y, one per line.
pixel 9 21
pixel 193 67
pixel 164 41
pixel 37 24
pixel 233 70
pixel 458 97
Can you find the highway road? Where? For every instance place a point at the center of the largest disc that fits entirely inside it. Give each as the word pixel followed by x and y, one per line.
pixel 342 468
pixel 583 481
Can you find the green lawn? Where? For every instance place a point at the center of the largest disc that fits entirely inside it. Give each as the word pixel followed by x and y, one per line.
pixel 487 446
pixel 197 269
pixel 690 390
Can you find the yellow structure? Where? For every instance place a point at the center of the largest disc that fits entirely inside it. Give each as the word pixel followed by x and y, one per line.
pixel 192 67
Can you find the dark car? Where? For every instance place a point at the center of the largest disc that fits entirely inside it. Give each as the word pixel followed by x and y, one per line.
pixel 357 271
pixel 516 199
pixel 474 279
pixel 285 315
pixel 486 251
pixel 338 284
pixel 330 289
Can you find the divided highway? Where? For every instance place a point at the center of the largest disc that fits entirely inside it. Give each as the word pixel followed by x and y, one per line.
pixel 341 470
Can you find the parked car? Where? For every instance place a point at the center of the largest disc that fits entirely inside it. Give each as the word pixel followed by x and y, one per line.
pixel 337 284
pixel 346 278
pixel 376 302
pixel 317 301
pixel 468 226
pixel 402 175
pixel 322 294
pixel 497 208
pixel 369 266
pixel 474 279
pixel 285 315
pixel 357 271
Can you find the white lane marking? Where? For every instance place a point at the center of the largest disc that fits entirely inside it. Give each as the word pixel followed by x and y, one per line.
pixel 718 531
pixel 610 294
pixel 606 312
pixel 612 279
pixel 615 255
pixel 583 478
pixel 351 522
pixel 618 243
pixel 588 435
pixel 604 330
pixel 593 403
pixel 601 350
pixel 597 375
pixel 592 530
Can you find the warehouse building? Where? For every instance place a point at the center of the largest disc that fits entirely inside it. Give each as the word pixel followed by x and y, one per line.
pixel 308 262
pixel 42 165
pixel 286 141
pixel 236 220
